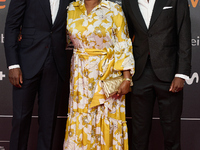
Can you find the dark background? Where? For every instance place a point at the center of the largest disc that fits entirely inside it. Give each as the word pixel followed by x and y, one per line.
pixel 191 112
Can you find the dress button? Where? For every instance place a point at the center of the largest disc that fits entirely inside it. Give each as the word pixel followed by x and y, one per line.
pixel 99 137
pixel 92 134
pixel 90 86
pixel 70 133
pixel 85 119
pixel 86 74
pixel 98 31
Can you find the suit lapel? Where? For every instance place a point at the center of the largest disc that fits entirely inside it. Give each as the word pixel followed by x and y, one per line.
pixel 46 8
pixel 137 13
pixel 61 5
pixel 158 7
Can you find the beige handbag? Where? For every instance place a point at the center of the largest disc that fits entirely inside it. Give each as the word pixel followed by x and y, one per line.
pixel 111 85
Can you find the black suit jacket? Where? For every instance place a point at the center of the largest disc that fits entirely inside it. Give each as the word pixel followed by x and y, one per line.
pixel 167 40
pixel 39 35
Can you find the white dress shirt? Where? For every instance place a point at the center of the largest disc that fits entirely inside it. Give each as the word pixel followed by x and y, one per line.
pixel 54 6
pixel 146 9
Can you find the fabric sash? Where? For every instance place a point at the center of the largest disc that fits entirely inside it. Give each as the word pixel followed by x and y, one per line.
pixel 99 96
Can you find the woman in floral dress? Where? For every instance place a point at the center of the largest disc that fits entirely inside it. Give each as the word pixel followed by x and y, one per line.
pixel 102 50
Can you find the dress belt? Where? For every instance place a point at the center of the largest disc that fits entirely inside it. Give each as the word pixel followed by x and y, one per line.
pixel 85 53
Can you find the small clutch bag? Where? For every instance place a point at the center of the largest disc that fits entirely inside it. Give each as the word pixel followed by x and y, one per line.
pixel 112 85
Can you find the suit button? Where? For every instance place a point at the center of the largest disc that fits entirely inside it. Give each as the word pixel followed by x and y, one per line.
pixel 46 46
pixel 150 35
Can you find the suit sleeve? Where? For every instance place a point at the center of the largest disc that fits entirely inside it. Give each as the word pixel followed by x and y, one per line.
pixel 184 38
pixel 12 29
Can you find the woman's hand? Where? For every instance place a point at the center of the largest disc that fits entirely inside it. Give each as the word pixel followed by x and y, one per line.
pixel 124 88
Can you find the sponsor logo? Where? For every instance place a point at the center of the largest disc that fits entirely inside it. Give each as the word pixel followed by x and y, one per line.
pixel 195 41
pixel 118 2
pixel 191 80
pixel 194 3
pixel 2 6
pixel 1 77
pixel 2 38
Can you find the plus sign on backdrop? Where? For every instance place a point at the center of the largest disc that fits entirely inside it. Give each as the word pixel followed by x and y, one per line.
pixel 2 75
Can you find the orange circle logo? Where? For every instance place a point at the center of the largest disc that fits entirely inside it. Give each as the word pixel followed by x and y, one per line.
pixel 2 6
pixel 194 3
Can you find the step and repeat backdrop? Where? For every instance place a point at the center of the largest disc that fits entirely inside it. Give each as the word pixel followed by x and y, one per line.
pixel 191 110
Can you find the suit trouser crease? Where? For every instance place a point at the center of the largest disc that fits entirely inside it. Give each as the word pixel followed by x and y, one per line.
pixel 146 90
pixel 47 85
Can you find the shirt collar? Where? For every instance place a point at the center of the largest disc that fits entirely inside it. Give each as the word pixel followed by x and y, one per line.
pixel 103 3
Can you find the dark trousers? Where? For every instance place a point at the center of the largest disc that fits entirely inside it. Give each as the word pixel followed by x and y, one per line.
pixel 146 91
pixel 47 84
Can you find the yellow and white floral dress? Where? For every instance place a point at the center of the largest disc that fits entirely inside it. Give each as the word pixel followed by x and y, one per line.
pixel 102 49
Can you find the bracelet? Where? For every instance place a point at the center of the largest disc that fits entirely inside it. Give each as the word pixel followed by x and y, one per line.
pixel 130 80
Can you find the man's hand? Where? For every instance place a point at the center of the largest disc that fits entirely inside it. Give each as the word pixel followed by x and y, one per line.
pixel 15 77
pixel 177 84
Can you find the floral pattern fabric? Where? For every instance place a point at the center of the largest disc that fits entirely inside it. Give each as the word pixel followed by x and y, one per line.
pixel 102 49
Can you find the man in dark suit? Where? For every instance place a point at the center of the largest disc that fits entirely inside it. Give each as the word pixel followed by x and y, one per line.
pixel 162 52
pixel 37 65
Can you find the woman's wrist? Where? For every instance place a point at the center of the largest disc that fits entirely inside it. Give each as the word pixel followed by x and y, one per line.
pixel 126 74
pixel 129 80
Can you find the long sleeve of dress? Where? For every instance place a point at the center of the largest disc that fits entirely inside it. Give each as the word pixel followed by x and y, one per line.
pixel 122 43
